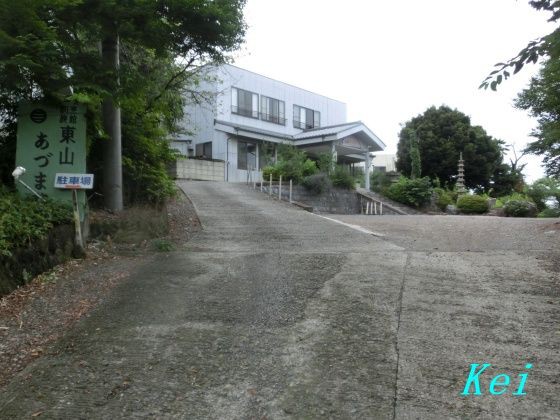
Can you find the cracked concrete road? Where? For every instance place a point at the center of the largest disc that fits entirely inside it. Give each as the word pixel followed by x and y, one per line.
pixel 272 312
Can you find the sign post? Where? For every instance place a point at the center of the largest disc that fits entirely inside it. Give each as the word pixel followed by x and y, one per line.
pixel 75 182
pixel 49 140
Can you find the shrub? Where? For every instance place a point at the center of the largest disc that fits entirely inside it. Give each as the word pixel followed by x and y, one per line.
pixel 270 170
pixel 499 203
pixel 412 192
pixel 309 167
pixel 515 196
pixel 472 204
pixel 359 176
pixel 443 198
pixel 550 213
pixel 342 178
pixel 379 181
pixel 519 208
pixel 317 183
pixel 543 190
pixel 292 164
pixel 325 163
pixel 24 220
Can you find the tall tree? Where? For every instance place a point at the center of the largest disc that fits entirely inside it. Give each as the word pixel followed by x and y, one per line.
pixel 48 46
pixel 542 100
pixel 415 161
pixel 442 134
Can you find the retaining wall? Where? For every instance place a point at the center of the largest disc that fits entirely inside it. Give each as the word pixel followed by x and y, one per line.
pixel 334 201
pixel 203 170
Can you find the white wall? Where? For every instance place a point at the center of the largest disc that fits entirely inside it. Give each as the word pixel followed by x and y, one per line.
pixel 332 111
pixel 198 120
pixel 387 160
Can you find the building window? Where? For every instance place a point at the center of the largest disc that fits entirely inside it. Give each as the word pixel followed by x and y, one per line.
pixel 244 103
pixel 273 110
pixel 246 155
pixel 204 150
pixel 306 118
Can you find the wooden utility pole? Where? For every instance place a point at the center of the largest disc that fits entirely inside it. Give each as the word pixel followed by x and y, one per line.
pixel 112 148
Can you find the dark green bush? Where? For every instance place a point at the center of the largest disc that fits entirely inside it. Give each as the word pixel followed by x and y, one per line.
pixel 472 204
pixel 520 208
pixel 292 164
pixel 325 163
pixel 270 170
pixel 543 190
pixel 317 183
pixel 24 220
pixel 550 213
pixel 342 178
pixel 379 181
pixel 443 198
pixel 412 192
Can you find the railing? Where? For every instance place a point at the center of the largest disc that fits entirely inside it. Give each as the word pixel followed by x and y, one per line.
pixel 252 181
pixel 245 112
pixel 273 118
pixel 369 205
pixel 303 125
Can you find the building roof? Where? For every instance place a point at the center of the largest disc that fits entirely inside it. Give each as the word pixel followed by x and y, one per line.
pixel 307 137
pixel 326 131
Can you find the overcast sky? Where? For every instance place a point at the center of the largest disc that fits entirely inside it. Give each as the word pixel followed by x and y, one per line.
pixel 390 60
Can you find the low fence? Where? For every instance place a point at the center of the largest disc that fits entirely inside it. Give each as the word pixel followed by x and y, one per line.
pixel 333 201
pixel 198 169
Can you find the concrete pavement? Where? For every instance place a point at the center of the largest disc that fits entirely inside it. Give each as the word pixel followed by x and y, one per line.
pixel 272 312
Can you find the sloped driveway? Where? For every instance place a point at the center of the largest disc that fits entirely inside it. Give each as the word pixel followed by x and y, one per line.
pixel 272 312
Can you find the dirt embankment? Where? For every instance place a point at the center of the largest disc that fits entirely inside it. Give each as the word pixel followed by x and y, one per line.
pixel 34 316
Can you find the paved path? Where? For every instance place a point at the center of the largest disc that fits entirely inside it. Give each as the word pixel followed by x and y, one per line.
pixel 272 312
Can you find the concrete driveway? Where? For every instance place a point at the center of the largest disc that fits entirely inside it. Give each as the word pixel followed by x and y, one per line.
pixel 273 312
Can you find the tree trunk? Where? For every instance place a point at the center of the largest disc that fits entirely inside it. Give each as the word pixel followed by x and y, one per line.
pixel 112 155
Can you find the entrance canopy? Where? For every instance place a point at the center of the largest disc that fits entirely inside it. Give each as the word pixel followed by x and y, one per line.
pixel 350 141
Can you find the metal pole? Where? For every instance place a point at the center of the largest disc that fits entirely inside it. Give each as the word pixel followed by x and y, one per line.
pixel 280 189
pixel 290 191
pixel 31 189
pixel 366 171
pixel 270 185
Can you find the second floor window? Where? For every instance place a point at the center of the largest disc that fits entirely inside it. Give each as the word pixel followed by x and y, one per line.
pixel 306 118
pixel 273 110
pixel 244 103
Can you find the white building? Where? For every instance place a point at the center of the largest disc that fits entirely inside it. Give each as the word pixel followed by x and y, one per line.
pixel 385 162
pixel 250 114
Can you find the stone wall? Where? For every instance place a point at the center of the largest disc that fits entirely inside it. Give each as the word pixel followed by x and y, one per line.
pixel 203 170
pixel 334 201
pixel 25 263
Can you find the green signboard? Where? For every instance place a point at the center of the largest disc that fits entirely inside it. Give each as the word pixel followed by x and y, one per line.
pixel 51 140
